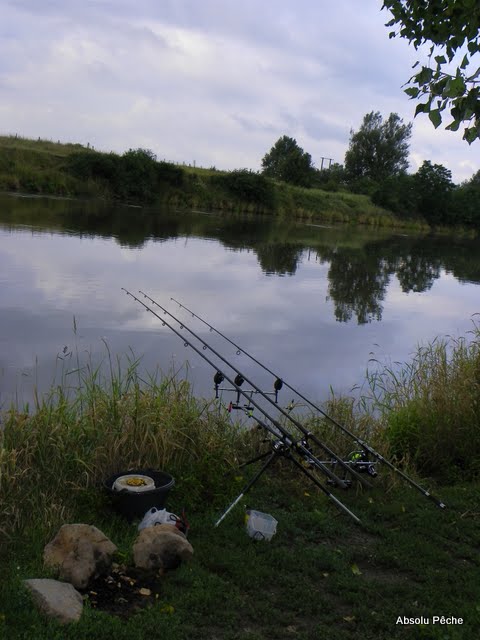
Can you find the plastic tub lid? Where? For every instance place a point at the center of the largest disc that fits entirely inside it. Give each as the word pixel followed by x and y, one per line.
pixel 134 482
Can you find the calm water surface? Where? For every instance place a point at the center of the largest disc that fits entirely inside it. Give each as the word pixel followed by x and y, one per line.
pixel 315 303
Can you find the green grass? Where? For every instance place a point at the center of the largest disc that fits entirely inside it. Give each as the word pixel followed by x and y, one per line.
pixel 321 576
pixel 41 144
pixel 430 407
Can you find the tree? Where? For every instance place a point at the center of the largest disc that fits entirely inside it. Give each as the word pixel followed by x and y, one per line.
pixel 434 187
pixel 466 201
pixel 450 27
pixel 331 179
pixel 379 149
pixel 288 162
pixel 398 194
pixel 140 175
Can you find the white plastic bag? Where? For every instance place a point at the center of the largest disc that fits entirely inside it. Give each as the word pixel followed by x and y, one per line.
pixel 157 516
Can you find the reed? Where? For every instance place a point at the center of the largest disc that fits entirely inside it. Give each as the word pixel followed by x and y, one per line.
pixel 423 415
pixel 98 421
pixel 430 407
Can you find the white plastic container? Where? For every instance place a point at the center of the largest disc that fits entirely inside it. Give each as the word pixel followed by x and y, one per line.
pixel 260 526
pixel 130 480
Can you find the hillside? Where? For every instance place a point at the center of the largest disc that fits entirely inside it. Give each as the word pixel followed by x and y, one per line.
pixel 52 168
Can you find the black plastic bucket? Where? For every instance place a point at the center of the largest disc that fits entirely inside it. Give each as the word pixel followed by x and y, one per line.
pixel 135 504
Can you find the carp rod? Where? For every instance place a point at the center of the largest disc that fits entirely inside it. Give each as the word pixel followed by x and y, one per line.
pixel 307 434
pixel 366 447
pixel 287 440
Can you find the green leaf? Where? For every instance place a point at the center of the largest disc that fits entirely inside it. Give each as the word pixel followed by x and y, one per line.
pixel 422 108
pixel 472 47
pixel 454 88
pixel 471 134
pixel 464 62
pixel 453 126
pixel 440 60
pixel 435 117
pixel 412 92
pixel 424 76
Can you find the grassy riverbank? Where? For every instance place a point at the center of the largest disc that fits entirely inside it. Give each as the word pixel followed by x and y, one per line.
pixel 47 168
pixel 321 575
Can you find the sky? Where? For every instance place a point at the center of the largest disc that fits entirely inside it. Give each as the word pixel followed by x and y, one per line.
pixel 210 82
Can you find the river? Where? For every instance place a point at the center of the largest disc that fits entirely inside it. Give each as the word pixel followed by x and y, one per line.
pixel 317 304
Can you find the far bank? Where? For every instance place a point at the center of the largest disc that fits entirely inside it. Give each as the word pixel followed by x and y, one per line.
pixel 137 178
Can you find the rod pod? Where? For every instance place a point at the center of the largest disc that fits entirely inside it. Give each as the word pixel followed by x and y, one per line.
pixel 346 431
pixel 309 435
pixel 284 433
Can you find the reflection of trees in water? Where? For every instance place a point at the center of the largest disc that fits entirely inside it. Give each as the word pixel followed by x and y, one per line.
pixel 358 275
pixel 357 285
pixel 279 259
pixel 358 278
pixel 417 273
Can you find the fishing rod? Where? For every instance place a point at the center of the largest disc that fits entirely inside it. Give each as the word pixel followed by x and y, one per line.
pixel 309 435
pixel 360 441
pixel 286 438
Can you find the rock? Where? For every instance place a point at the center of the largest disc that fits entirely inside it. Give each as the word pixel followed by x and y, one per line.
pixel 161 547
pixel 79 552
pixel 56 599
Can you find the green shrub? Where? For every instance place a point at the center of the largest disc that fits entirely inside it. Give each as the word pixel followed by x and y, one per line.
pixel 170 174
pixel 247 186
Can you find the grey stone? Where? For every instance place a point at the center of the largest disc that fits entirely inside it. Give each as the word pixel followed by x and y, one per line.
pixel 58 600
pixel 79 552
pixel 161 547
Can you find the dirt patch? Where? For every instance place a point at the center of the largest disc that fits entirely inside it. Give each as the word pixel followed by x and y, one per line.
pixel 123 591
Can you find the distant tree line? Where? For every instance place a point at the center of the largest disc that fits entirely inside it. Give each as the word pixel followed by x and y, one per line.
pixel 376 165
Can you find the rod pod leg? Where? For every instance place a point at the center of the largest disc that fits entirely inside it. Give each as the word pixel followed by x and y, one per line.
pixel 249 484
pixel 329 495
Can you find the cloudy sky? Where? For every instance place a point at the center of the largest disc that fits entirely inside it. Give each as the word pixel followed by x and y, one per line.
pixel 215 82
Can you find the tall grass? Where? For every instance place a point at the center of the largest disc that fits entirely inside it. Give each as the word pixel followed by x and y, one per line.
pixel 430 407
pixel 424 415
pixel 94 424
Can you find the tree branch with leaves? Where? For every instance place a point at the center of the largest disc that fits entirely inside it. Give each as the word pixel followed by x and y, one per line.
pixel 452 29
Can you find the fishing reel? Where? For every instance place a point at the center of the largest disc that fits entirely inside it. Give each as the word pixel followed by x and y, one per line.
pixel 359 459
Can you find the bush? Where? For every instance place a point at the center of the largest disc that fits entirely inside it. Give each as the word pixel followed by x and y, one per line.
pixel 247 186
pixel 135 176
pixel 364 186
pixel 397 194
pixel 170 174
pixel 92 164
pixel 139 168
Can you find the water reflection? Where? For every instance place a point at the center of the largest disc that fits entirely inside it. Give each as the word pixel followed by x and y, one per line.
pixel 341 290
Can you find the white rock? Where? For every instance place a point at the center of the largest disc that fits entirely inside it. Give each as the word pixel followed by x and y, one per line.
pixel 56 599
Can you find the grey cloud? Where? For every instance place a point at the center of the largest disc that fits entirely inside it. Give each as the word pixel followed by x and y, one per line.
pixel 321 128
pixel 191 78
pixel 251 124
